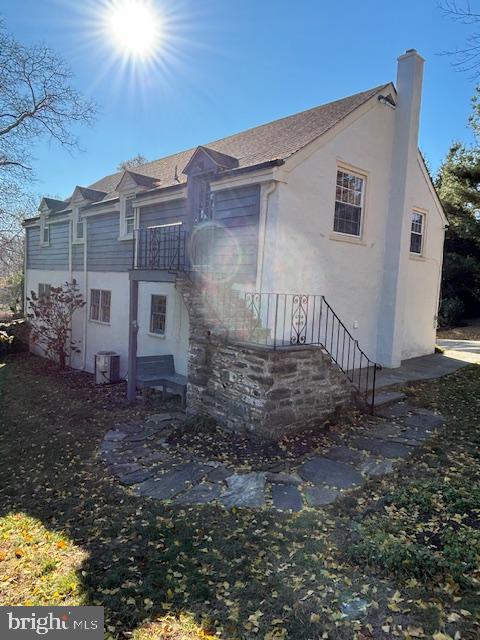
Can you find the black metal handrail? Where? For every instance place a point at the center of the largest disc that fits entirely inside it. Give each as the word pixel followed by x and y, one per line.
pixel 161 247
pixel 282 320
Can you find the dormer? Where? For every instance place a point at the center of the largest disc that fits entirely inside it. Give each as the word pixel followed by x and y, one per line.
pixel 128 186
pixel 204 165
pixel 205 160
pixel 47 207
pixel 81 197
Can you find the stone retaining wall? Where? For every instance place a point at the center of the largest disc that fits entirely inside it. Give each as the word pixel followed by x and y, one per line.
pixel 258 389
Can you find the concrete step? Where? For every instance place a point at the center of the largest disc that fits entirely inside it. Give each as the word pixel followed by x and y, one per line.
pixel 383 398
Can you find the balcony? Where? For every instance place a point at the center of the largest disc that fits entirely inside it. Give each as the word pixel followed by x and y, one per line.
pixel 160 248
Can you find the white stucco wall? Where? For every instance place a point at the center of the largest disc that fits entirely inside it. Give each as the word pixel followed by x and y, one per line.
pixel 423 276
pixel 304 255
pixel 114 336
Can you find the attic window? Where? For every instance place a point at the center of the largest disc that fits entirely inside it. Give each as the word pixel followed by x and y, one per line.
pixel 127 217
pixel 44 231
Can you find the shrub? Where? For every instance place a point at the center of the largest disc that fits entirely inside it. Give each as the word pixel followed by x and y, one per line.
pixel 51 320
pixel 451 312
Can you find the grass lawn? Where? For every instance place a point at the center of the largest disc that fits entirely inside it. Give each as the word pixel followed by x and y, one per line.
pixel 398 558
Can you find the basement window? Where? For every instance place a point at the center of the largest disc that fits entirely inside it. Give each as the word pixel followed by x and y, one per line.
pixel 416 233
pixel 349 195
pixel 43 291
pixel 100 302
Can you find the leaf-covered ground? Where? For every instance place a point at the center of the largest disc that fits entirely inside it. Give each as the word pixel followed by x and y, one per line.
pixel 397 559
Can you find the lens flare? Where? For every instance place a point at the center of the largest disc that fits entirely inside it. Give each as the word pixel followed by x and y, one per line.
pixel 133 27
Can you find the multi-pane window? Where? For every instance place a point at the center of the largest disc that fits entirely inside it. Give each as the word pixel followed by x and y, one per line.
pixel 78 226
pixel 158 314
pixel 416 233
pixel 348 203
pixel 79 229
pixel 100 301
pixel 129 215
pixel 43 290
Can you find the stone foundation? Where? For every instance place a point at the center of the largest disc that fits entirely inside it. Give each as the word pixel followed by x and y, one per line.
pixel 264 391
pixel 255 388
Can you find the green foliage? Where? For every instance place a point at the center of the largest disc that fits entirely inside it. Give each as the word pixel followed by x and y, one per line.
pixel 451 312
pixel 458 185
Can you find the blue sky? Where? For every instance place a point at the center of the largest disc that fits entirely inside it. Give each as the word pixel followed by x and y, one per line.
pixel 230 65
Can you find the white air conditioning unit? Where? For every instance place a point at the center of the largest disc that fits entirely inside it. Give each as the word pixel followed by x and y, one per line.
pixel 107 367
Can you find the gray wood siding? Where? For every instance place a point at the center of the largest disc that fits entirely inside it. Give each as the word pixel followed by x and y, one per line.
pixel 105 252
pixel 237 211
pixel 163 213
pixel 55 255
pixel 77 257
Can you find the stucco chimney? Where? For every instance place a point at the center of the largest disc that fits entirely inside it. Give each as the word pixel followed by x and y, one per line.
pixel 397 228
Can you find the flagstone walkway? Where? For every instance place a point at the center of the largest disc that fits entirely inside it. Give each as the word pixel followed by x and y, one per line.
pixel 140 457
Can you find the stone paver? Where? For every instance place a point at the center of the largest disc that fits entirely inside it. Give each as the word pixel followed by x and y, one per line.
pixel 167 485
pixel 321 496
pixel 286 497
pixel 342 453
pixel 321 470
pixel 139 455
pixel 375 467
pixel 284 478
pixel 134 477
pixel 381 447
pixel 429 421
pixel 200 494
pixel 247 490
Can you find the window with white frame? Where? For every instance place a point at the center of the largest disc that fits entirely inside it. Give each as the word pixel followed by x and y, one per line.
pixel 349 197
pixel 43 290
pixel 78 226
pixel 44 231
pixel 416 233
pixel 127 221
pixel 158 314
pixel 100 302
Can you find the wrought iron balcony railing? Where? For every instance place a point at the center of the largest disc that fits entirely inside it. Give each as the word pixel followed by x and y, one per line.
pixel 161 247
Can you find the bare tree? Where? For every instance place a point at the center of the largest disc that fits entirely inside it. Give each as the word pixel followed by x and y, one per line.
pixel 136 161
pixel 467 58
pixel 37 102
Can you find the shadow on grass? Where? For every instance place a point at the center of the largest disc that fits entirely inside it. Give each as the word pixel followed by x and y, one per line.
pixel 144 558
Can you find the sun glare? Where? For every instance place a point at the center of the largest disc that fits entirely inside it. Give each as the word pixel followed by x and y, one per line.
pixel 133 27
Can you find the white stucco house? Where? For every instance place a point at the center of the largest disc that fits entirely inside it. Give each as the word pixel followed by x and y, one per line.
pixel 335 201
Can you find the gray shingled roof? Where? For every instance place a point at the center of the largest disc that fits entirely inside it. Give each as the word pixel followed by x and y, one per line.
pixel 276 140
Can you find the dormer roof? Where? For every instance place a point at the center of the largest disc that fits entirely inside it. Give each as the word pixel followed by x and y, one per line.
pixel 85 193
pixel 205 160
pixel 131 179
pixel 52 204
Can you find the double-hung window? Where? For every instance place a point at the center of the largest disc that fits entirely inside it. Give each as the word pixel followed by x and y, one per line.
pixel 43 290
pixel 78 226
pixel 44 231
pixel 416 233
pixel 158 314
pixel 127 216
pixel 100 303
pixel 349 198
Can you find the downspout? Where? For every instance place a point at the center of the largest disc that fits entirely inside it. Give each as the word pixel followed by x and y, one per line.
pixel 85 280
pixel 266 192
pixel 70 279
pixel 25 272
pixel 70 251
